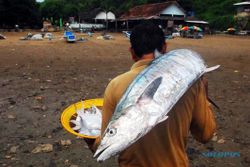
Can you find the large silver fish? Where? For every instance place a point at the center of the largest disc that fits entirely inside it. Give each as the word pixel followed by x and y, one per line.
pixel 149 98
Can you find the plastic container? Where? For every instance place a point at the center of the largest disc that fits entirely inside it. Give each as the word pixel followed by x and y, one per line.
pixel 70 113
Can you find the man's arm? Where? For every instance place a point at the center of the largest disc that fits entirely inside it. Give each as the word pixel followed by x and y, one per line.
pixel 203 123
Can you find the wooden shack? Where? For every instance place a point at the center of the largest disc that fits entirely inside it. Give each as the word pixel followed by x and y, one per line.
pixel 166 14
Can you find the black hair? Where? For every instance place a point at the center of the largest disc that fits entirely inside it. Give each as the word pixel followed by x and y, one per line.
pixel 145 38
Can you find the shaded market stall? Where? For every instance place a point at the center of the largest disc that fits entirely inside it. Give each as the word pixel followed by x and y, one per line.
pixel 191 32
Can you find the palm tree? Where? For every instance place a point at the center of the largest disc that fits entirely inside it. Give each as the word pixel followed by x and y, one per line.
pixel 107 6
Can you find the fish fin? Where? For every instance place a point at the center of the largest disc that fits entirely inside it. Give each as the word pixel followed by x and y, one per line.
pixel 210 69
pixel 150 90
pixel 163 119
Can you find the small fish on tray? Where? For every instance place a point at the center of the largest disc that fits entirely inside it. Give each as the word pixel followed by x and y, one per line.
pixel 88 121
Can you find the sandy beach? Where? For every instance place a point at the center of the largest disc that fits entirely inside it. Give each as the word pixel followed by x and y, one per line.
pixel 39 79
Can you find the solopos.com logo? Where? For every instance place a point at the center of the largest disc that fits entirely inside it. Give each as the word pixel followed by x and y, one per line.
pixel 214 154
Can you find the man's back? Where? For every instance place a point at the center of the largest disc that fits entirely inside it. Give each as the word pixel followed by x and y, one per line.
pixel 165 144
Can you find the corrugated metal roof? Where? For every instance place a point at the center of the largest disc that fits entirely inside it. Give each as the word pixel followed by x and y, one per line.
pixel 148 11
pixel 242 3
pixel 197 21
pixel 194 19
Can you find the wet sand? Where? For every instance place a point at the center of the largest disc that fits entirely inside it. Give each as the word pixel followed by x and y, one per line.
pixel 39 79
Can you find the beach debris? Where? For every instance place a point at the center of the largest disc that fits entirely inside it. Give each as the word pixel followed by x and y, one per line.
pixel 43 148
pixel 48 36
pixel 44 108
pixel 242 33
pixel 100 37
pixel 11 116
pixel 149 98
pixel 30 36
pixel 8 156
pixel 108 37
pixel 65 142
pixel 81 39
pixel 30 141
pixel 37 37
pixel 2 37
pixel 36 107
pixel 27 37
pixel 66 161
pixel 34 37
pixel 105 36
pixel 176 34
pixel 38 98
pixel 88 122
pixel 221 141
pixel 73 166
pixel 39 107
pixel 13 149
pixel 214 138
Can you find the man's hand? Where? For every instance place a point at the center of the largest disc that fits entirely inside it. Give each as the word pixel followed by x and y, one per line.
pixel 90 143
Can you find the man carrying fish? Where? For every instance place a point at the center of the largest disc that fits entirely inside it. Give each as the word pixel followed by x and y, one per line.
pixel 165 144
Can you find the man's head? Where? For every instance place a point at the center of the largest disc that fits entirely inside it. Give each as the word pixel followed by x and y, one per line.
pixel 145 39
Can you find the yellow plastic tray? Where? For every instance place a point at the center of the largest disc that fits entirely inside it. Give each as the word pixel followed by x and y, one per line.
pixel 70 113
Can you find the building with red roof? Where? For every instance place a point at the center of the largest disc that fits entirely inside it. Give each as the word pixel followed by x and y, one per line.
pixel 166 14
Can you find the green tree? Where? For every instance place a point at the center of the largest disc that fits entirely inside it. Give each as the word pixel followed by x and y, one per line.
pixel 21 12
pixel 53 8
pixel 218 13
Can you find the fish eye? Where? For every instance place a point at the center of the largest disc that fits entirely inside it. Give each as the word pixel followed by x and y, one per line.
pixel 111 131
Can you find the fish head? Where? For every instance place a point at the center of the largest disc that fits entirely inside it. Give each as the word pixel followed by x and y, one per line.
pixel 129 122
pixel 120 134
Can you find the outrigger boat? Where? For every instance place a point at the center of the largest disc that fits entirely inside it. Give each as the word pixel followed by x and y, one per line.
pixel 69 36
